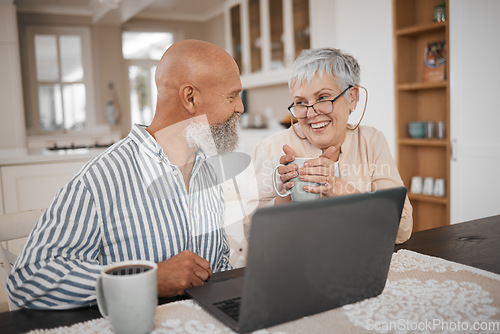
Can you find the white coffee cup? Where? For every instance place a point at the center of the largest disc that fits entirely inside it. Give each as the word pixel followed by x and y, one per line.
pixel 428 186
pixel 439 188
pixel 127 295
pixel 297 191
pixel 416 185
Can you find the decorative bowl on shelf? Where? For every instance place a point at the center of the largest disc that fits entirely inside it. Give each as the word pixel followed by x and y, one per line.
pixel 416 129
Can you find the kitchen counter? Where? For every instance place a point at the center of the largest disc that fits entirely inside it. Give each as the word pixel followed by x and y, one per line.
pixel 10 157
pixel 29 178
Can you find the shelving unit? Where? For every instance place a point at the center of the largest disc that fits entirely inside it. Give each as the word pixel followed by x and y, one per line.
pixel 416 100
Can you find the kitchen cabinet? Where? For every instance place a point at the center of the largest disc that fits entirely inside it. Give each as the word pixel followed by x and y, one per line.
pixel 30 178
pixel 31 186
pixel 265 36
pixel 419 100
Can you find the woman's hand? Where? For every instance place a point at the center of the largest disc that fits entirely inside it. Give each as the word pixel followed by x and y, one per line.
pixel 287 173
pixel 322 170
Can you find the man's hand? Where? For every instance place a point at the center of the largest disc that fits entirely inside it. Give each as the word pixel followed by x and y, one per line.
pixel 181 272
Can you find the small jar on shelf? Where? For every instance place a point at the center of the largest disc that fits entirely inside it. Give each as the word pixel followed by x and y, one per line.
pixel 440 12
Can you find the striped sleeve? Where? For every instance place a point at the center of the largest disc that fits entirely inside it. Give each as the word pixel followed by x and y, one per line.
pixel 59 264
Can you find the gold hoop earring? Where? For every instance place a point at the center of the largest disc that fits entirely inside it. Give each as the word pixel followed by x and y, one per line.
pixel 295 130
pixel 349 126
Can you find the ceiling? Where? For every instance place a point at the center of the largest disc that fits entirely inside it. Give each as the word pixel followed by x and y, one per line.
pixel 119 11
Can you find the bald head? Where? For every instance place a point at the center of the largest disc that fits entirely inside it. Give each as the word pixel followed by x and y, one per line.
pixel 187 70
pixel 193 61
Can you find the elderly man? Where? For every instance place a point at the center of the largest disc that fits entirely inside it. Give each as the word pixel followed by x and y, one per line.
pixel 151 196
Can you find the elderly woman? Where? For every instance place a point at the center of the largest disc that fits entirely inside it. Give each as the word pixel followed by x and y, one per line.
pixel 324 85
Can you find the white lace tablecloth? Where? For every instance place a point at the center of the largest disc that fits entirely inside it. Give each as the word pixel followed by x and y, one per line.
pixel 423 294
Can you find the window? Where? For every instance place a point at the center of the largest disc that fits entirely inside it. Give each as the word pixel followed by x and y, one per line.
pixel 142 50
pixel 59 73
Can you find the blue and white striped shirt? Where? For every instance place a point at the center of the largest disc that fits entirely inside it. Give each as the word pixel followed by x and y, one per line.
pixel 128 203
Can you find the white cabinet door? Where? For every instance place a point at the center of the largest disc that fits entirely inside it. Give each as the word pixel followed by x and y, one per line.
pixel 475 116
pixel 29 187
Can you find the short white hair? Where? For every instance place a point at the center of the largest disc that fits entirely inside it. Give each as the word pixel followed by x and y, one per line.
pixel 340 66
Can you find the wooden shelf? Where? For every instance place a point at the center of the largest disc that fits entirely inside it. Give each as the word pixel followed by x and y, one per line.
pixel 415 100
pixel 423 142
pixel 414 86
pixel 428 198
pixel 421 29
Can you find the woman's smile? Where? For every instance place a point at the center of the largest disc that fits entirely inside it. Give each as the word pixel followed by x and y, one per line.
pixel 319 125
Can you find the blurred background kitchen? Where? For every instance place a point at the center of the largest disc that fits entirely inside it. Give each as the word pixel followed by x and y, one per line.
pixel 75 74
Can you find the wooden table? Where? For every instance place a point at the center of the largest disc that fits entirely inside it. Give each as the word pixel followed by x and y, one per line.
pixel 475 243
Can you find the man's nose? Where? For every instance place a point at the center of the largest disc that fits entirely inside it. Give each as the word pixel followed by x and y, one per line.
pixel 240 108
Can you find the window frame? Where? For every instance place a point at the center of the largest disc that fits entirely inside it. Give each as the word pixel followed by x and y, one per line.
pixel 33 125
pixel 176 36
pixel 147 63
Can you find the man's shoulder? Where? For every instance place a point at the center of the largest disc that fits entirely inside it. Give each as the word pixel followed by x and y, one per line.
pixel 114 155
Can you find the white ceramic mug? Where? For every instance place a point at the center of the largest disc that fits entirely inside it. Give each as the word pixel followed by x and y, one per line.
pixel 439 188
pixel 127 295
pixel 428 186
pixel 416 185
pixel 297 191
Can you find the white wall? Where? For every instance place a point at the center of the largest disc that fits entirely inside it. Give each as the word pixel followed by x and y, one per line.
pixel 12 129
pixel 213 31
pixel 475 110
pixel 364 29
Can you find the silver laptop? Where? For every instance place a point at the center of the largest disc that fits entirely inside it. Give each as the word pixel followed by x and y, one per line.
pixel 305 258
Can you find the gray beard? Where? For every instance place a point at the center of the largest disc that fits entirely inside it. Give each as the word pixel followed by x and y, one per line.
pixel 214 139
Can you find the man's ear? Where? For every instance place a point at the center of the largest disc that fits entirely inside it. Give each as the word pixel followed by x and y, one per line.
pixel 187 96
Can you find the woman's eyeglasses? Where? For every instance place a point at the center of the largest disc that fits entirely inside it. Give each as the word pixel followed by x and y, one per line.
pixel 320 107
